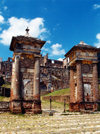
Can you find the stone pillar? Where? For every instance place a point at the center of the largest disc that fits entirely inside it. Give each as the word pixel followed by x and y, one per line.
pixel 12 81
pixel 36 91
pixel 79 82
pixel 15 80
pixel 72 86
pixel 95 83
pixel 37 79
pixel 15 105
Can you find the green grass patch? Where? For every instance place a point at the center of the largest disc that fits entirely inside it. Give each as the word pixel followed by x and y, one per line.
pixel 6 85
pixel 55 105
pixel 99 86
pixel 2 98
pixel 65 91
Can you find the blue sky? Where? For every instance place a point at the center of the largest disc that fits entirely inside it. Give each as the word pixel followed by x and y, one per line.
pixel 62 23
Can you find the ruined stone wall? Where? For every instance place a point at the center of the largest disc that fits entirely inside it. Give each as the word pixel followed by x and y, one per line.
pixel 44 61
pixel 53 78
pixel 52 74
pixel 60 76
pixel 5 69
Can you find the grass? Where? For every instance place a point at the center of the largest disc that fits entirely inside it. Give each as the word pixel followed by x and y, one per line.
pixel 59 106
pixel 65 91
pixel 2 98
pixel 6 85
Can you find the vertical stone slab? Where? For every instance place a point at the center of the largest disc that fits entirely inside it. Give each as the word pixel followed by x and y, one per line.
pixel 79 82
pixel 95 83
pixel 72 86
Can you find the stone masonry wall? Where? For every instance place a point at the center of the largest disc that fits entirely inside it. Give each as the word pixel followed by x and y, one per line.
pixel 53 78
pixel 53 75
pixel 27 76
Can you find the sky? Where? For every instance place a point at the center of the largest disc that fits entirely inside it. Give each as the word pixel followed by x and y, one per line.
pixel 61 23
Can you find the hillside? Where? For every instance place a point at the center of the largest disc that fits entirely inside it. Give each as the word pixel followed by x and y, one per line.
pixel 65 91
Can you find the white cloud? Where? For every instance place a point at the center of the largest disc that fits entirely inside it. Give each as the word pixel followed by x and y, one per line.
pixel 48 41
pixel 98 36
pixel 1 19
pixel 57 49
pixel 60 59
pixel 5 7
pixel 18 26
pixel 96 6
pixel 97 44
pixel 45 49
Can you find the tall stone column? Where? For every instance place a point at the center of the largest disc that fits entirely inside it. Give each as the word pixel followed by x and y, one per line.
pixel 12 81
pixel 36 91
pixel 15 105
pixel 95 83
pixel 72 86
pixel 15 79
pixel 79 82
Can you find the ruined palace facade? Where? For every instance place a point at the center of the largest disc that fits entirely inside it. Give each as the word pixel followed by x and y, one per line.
pixel 82 62
pixel 31 72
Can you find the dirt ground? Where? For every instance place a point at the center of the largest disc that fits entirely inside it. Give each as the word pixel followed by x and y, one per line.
pixel 70 123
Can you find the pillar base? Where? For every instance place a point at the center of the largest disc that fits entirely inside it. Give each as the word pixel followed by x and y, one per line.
pixel 26 106
pixel 37 107
pixel 31 107
pixel 15 106
pixel 78 107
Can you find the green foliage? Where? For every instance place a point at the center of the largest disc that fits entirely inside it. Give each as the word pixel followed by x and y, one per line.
pixel 55 105
pixel 65 91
